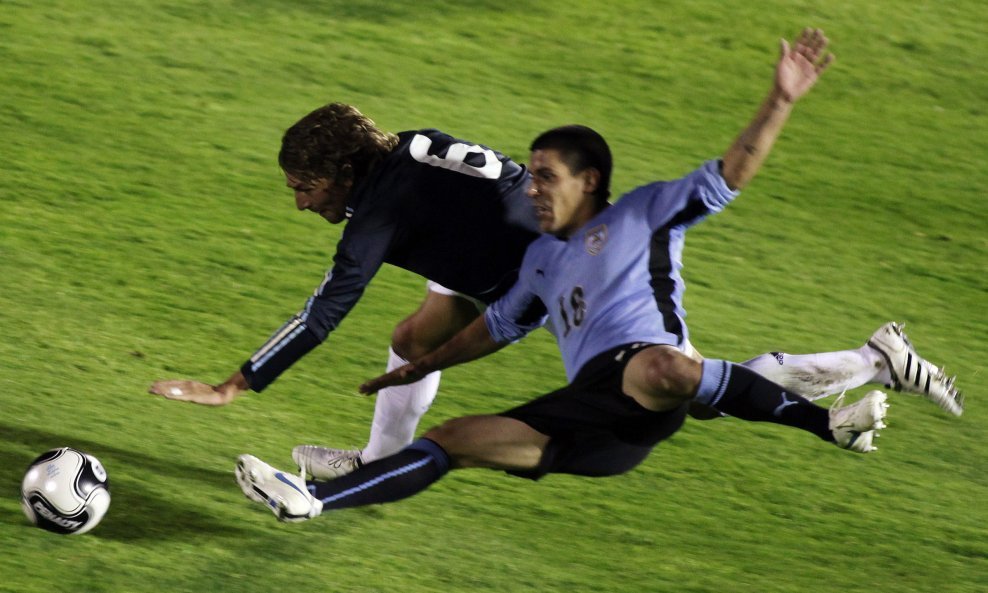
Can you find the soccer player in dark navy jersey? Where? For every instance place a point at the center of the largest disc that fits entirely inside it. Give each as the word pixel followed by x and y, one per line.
pixel 453 212
pixel 608 278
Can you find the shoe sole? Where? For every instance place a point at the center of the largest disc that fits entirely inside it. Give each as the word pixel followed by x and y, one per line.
pixel 246 479
pixel 879 408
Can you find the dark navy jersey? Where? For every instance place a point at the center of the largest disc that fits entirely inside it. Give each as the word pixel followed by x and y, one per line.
pixel 454 212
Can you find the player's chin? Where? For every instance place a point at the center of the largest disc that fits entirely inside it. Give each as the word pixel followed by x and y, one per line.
pixel 333 217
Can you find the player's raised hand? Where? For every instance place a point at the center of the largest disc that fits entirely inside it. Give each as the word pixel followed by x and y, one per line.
pixel 801 64
pixel 400 376
pixel 193 391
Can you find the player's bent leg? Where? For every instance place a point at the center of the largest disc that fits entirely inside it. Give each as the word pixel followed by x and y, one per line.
pixel 742 393
pixel 399 409
pixel 661 378
pixel 397 412
pixel 440 316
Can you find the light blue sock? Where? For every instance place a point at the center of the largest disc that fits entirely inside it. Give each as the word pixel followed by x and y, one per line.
pixel 713 381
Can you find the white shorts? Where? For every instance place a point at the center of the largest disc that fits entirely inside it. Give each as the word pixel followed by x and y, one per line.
pixel 690 351
pixel 440 289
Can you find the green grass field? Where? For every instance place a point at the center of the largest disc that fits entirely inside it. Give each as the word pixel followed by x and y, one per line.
pixel 145 233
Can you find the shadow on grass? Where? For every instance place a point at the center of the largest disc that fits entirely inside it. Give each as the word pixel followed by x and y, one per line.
pixel 142 506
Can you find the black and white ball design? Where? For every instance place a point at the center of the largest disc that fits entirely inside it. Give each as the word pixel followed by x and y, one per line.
pixel 65 491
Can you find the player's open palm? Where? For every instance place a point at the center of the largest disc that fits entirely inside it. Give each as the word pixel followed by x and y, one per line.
pixel 801 65
pixel 191 391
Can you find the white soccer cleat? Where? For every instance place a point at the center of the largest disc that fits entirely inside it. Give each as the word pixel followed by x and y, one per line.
pixel 854 425
pixel 323 463
pixel 285 494
pixel 911 373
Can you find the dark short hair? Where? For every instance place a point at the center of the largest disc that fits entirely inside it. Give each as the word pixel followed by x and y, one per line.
pixel 323 142
pixel 580 148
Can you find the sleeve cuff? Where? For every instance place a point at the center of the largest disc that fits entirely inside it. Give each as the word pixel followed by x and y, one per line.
pixel 267 364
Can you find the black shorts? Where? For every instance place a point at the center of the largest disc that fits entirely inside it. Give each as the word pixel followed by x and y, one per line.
pixel 595 429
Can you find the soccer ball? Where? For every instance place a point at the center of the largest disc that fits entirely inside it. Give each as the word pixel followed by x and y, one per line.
pixel 65 491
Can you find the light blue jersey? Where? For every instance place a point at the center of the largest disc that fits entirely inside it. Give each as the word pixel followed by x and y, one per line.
pixel 617 279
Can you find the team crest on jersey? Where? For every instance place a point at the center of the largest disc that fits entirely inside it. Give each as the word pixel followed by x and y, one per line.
pixel 595 239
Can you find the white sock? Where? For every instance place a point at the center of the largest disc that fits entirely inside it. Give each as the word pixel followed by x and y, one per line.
pixel 397 412
pixel 818 375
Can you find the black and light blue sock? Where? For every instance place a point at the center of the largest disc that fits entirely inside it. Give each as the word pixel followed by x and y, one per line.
pixel 743 393
pixel 407 472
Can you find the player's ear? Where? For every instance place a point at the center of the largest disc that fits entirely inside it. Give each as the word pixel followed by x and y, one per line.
pixel 344 176
pixel 591 180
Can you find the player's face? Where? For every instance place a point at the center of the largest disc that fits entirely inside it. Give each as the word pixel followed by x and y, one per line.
pixel 563 200
pixel 322 196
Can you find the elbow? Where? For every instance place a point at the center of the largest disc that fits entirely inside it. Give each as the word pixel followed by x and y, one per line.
pixel 735 177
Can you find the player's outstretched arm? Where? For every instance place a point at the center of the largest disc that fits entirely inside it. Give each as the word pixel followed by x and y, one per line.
pixel 472 342
pixel 201 393
pixel 798 69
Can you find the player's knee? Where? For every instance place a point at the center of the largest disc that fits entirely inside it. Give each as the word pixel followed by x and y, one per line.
pixel 672 373
pixel 407 342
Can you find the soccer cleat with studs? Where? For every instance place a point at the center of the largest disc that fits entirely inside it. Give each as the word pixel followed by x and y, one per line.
pixel 286 495
pixel 911 373
pixel 854 426
pixel 323 463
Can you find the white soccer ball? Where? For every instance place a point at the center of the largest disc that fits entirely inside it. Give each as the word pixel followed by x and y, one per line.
pixel 65 491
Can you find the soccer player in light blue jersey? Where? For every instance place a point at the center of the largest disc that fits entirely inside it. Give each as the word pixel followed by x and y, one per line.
pixel 605 279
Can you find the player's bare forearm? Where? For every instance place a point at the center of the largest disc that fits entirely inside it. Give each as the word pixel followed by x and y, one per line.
pixel 201 393
pixel 471 343
pixel 797 71
pixel 745 156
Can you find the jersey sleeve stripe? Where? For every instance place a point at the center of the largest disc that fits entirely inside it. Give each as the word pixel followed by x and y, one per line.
pixel 276 342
